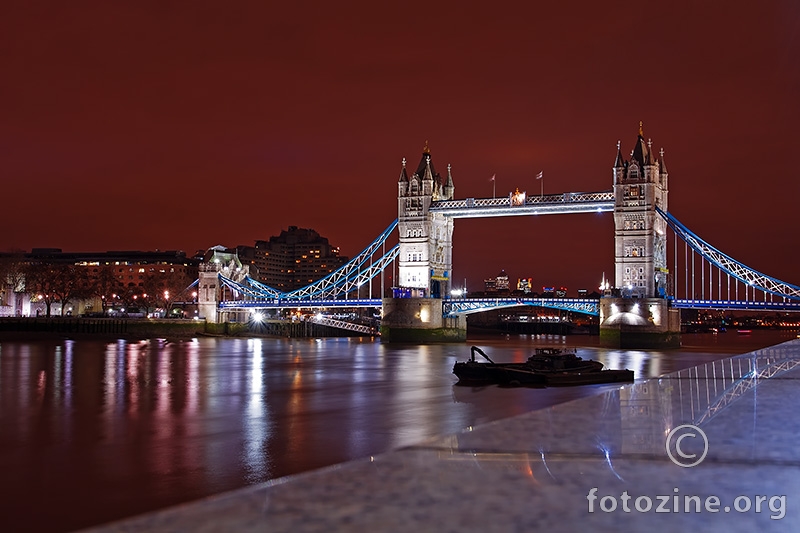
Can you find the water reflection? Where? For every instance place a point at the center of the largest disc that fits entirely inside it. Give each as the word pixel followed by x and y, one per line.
pixel 109 429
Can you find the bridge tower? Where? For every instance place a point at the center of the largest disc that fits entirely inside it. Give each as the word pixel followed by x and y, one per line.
pixel 640 316
pixel 640 234
pixel 426 239
pixel 414 313
pixel 210 291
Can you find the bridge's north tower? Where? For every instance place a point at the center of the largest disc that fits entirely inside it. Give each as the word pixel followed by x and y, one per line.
pixel 426 238
pixel 414 312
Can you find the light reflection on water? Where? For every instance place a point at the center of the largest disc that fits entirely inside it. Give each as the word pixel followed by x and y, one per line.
pixel 106 430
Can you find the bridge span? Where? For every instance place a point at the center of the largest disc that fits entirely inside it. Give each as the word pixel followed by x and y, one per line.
pixel 522 204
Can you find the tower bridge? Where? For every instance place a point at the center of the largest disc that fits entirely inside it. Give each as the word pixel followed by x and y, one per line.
pixel 641 309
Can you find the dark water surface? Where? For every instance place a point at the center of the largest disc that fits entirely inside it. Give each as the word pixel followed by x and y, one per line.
pixel 94 431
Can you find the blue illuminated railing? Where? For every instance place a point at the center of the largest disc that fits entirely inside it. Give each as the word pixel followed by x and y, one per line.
pixel 476 305
pixel 278 303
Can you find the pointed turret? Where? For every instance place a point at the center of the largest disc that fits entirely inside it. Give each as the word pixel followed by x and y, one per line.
pixel 643 161
pixel 425 169
pixel 427 175
pixel 403 173
pixel 402 181
pixel 641 154
pixel 425 164
pixel 619 162
pixel 661 163
pixel 449 188
pixel 620 165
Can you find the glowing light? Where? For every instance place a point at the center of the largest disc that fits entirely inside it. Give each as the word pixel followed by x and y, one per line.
pixel 258 317
pixel 424 314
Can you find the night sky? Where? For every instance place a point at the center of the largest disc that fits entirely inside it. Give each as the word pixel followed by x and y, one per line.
pixel 182 125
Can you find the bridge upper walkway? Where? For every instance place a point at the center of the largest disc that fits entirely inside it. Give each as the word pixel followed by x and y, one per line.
pixel 522 204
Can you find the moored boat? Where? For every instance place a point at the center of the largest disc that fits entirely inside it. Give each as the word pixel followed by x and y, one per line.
pixel 547 366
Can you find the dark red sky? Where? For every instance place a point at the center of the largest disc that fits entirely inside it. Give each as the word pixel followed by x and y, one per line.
pixel 181 125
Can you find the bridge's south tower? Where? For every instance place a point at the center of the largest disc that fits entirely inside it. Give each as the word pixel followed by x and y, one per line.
pixel 640 235
pixel 639 315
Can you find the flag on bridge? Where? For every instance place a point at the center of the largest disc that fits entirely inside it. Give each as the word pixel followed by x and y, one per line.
pixel 493 175
pixel 539 175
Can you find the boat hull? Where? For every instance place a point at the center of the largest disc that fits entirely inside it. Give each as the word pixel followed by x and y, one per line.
pixel 473 373
pixel 568 379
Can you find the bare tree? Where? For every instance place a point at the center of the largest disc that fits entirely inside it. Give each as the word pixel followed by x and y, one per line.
pixel 106 286
pixel 167 288
pixel 12 273
pixel 72 283
pixel 51 283
pixel 40 282
pixel 133 296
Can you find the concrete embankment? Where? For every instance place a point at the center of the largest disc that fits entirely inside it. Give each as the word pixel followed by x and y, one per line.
pixel 22 328
pixel 77 327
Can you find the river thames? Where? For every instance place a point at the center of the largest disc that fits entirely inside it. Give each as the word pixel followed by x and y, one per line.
pixel 92 431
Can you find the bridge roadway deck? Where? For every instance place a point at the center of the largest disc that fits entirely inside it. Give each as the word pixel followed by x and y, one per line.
pixel 734 304
pixel 533 472
pixel 278 303
pixel 454 306
pixel 450 306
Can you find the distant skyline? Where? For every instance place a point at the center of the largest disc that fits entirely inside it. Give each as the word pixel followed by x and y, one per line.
pixel 181 126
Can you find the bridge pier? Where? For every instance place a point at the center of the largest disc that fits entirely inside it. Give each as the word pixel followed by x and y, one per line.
pixel 420 320
pixel 208 293
pixel 639 323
